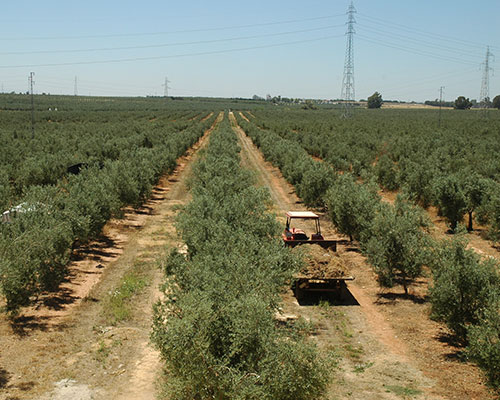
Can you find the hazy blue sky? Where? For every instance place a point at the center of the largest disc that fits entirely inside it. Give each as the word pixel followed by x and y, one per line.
pixel 404 49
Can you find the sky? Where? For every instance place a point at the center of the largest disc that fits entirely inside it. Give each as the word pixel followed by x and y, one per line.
pixel 404 49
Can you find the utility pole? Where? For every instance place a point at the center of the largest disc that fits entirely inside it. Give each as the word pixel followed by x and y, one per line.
pixel 32 74
pixel 484 96
pixel 76 86
pixel 166 87
pixel 440 103
pixel 348 93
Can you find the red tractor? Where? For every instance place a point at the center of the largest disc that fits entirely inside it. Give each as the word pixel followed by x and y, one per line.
pixel 293 236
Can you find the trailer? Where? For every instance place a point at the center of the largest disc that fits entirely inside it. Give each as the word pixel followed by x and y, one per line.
pixel 324 271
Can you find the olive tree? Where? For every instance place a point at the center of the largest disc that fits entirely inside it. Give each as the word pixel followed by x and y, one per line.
pixel 496 102
pixel 375 100
pixel 464 286
pixel 351 206
pixel 462 103
pixel 398 243
pixel 451 199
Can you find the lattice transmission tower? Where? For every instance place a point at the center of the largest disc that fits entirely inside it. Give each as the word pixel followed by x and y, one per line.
pixel 166 87
pixel 348 92
pixel 484 97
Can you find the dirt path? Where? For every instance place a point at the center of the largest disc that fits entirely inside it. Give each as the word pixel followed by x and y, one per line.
pixel 207 117
pixel 244 116
pixel 386 346
pixel 76 350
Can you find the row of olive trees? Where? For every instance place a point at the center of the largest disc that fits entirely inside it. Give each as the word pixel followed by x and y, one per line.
pixel 456 169
pixel 36 244
pixel 457 195
pixel 215 329
pixel 465 293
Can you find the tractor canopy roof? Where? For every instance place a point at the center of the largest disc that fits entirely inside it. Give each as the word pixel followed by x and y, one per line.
pixel 302 215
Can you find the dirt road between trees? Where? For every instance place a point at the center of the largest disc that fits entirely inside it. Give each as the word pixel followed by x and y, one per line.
pixel 70 345
pixel 384 343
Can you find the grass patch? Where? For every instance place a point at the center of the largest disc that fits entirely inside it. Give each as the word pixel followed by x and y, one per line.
pixel 104 350
pixel 354 352
pixel 118 305
pixel 360 368
pixel 404 392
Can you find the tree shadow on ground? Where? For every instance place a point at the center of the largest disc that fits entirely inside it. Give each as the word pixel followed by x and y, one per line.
pixel 391 297
pixel 24 325
pixel 97 249
pixel 58 300
pixel 4 378
pixel 457 347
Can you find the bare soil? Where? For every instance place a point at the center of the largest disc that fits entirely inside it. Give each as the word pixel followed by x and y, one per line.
pixel 244 116
pixel 207 117
pixel 66 346
pixel 384 342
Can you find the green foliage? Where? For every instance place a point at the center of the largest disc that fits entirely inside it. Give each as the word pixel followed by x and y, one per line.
pixel 5 190
pixel 496 102
pixel 418 182
pixel 464 286
pixel 484 343
pixel 386 173
pixel 34 249
pixel 451 199
pixel 375 100
pixel 351 206
pixel 57 209
pixel 314 184
pixel 397 246
pixel 474 188
pixel 462 103
pixel 216 329
pixel 489 211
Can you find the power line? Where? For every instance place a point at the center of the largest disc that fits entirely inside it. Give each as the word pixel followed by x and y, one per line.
pixel 167 44
pixel 398 36
pixel 433 35
pixel 173 32
pixel 429 80
pixel 413 50
pixel 204 53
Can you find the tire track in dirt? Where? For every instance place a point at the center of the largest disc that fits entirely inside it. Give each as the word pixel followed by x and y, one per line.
pixel 82 357
pixel 243 116
pixel 395 335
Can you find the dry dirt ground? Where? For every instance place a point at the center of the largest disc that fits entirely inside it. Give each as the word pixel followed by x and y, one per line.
pixel 385 345
pixel 68 346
